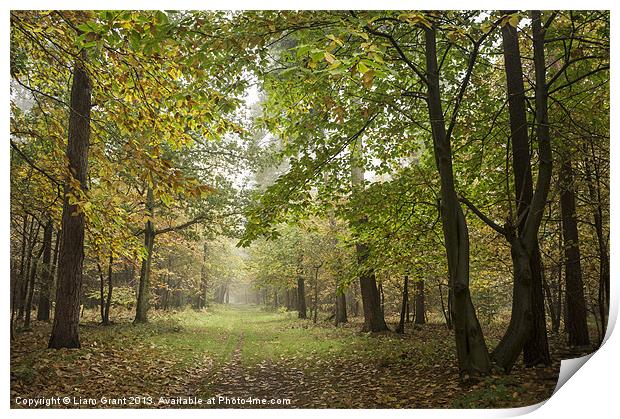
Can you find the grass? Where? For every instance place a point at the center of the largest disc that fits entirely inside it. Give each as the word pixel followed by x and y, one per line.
pixel 181 350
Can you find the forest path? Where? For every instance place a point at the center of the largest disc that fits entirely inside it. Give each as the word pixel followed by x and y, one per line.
pixel 278 357
pixel 246 352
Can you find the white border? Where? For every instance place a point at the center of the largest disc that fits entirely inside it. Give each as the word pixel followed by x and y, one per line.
pixel 592 392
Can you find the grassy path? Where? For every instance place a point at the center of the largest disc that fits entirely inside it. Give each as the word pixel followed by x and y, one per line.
pixel 245 352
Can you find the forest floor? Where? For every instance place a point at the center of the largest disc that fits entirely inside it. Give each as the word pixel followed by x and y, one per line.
pixel 243 352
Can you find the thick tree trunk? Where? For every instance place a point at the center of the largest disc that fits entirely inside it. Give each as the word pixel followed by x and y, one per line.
pixel 371 300
pixel 67 310
pixel 43 307
pixel 472 353
pixel 536 348
pixel 575 304
pixel 507 351
pixel 404 307
pixel 420 312
pixel 534 345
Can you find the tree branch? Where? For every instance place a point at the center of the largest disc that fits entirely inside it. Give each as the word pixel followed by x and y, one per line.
pixel 501 230
pixel 401 53
pixel 34 166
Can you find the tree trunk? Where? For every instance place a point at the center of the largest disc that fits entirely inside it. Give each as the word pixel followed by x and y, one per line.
pixel 603 289
pixel 17 281
pixel 446 313
pixel 287 299
pixel 67 309
pixel 301 297
pixel 202 298
pixel 404 307
pixel 507 351
pixel 31 286
pixel 294 295
pixel 371 302
pixel 420 312
pixel 108 299
pixel 341 308
pixel 142 305
pixel 536 348
pixel 101 286
pixel 43 308
pixel 25 280
pixel 555 315
pixel 559 283
pixel 382 298
pixel 316 293
pixel 472 353
pixel 575 304
pixel 530 307
pixel 340 312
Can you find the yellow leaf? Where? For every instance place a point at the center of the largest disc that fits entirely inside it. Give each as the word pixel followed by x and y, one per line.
pixel 514 21
pixel 330 58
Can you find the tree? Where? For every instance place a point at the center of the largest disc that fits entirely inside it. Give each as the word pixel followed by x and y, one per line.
pixel 371 303
pixel 576 314
pixel 528 316
pixel 471 348
pixel 420 314
pixel 535 348
pixel 67 309
pixel 49 268
pixel 404 307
